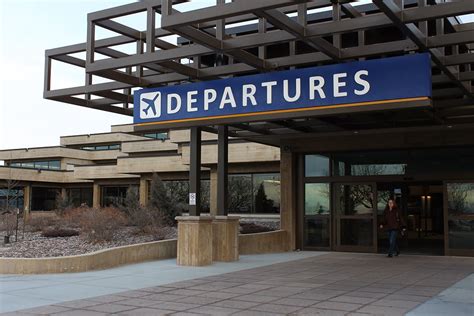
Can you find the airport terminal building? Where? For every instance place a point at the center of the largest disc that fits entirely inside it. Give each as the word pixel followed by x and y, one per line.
pixel 344 105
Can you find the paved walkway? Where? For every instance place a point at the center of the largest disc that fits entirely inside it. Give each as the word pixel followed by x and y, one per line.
pixel 27 291
pixel 304 283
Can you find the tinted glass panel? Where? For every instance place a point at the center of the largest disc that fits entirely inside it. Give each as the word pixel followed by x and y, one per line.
pixel 41 165
pixel 316 166
pixel 317 197
pixel 317 232
pixel 356 232
pixel 461 233
pixel 113 195
pixel 55 165
pixel 240 193
pixel 355 199
pixel 266 189
pixel 43 199
pixel 460 198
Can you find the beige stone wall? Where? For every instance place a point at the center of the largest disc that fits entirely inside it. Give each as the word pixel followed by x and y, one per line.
pixel 98 138
pixel 34 175
pixel 103 259
pixel 100 172
pixel 151 164
pixel 238 153
pixel 149 145
pixel 184 135
pixel 268 242
pixel 57 153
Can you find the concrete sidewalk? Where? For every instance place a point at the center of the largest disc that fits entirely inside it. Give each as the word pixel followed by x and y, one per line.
pixel 301 283
pixel 27 291
pixel 456 300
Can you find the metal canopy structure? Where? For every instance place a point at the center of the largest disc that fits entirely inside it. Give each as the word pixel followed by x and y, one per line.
pixel 247 37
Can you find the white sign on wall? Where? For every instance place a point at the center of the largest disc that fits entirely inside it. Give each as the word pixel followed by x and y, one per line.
pixel 192 198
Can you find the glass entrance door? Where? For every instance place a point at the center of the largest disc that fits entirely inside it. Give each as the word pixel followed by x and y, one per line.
pixel 355 216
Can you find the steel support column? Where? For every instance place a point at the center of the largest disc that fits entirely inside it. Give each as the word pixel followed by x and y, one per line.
pixel 195 172
pixel 222 169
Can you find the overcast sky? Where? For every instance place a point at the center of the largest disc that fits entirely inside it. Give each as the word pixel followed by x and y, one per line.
pixel 27 29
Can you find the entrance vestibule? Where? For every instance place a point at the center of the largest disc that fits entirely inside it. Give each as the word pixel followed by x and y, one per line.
pixel 344 196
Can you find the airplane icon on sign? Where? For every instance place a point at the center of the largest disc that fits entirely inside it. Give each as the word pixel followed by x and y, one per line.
pixel 151 104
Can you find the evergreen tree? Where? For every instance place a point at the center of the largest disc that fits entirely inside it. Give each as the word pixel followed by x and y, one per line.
pixel 161 201
pixel 262 203
pixel 131 202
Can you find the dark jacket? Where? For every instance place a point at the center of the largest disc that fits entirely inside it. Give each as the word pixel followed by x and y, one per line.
pixel 393 219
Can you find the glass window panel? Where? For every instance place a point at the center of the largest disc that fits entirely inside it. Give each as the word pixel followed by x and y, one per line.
pixel 461 233
pixel 105 147
pixel 115 146
pixel 460 198
pixel 356 232
pixel 41 165
pixel 88 148
pixel 339 168
pixel 317 232
pixel 378 169
pixel 316 166
pixel 27 164
pixel 86 196
pixel 355 199
pixel 382 200
pixel 266 189
pixel 317 197
pixel 240 193
pixel 55 165
pixel 114 195
pixel 75 196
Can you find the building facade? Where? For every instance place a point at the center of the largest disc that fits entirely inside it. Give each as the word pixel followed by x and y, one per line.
pixel 98 169
pixel 339 162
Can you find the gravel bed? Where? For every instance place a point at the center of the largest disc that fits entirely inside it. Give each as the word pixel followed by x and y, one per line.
pixel 36 246
pixel 272 224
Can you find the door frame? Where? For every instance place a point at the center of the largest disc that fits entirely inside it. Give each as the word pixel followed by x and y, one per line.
pixel 337 219
pixel 447 250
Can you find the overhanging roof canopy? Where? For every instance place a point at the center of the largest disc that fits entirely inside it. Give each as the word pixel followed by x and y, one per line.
pixel 247 37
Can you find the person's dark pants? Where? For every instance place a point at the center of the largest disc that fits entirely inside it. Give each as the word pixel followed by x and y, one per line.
pixel 392 239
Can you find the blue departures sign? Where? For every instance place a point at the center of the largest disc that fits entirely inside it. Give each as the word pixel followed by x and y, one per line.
pixel 362 83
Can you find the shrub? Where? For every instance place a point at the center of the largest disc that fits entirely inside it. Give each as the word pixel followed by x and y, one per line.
pixel 148 221
pixel 252 228
pixel 40 223
pixel 59 232
pixel 100 224
pixel 8 221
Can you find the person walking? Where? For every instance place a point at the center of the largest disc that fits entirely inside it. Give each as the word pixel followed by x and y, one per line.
pixel 393 221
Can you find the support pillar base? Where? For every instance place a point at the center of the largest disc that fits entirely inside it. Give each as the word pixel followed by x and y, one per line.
pixel 194 236
pixel 225 239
